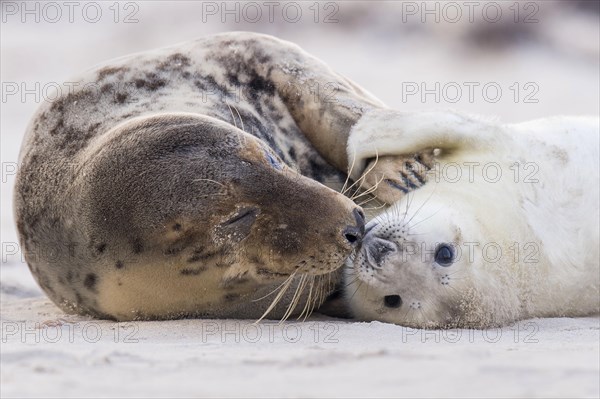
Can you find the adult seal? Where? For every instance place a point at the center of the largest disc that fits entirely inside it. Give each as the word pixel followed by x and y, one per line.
pixel 505 228
pixel 193 180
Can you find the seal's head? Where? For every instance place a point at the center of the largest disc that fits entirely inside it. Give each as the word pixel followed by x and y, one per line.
pixel 433 262
pixel 172 210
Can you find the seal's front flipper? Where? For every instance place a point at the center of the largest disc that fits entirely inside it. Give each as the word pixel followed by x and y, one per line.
pixel 394 150
pixel 391 177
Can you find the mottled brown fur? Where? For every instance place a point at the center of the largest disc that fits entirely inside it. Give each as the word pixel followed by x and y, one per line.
pixel 153 185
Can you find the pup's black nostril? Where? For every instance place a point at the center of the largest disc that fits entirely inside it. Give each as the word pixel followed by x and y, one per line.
pixel 354 234
pixel 392 301
pixel 377 250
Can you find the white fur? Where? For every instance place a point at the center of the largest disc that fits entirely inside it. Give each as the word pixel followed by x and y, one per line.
pixel 387 132
pixel 559 215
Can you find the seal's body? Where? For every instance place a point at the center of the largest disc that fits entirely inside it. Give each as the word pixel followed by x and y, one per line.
pixel 506 227
pixel 185 181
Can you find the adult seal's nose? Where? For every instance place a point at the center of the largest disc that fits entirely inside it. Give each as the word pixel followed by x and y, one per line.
pixel 353 234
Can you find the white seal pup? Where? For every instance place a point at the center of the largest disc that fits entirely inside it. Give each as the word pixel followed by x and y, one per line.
pixel 506 227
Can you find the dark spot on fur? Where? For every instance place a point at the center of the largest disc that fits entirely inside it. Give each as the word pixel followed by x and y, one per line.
pixel 70 276
pixel 100 248
pixel 151 82
pixel 106 88
pixel 78 298
pixel 192 272
pixel 200 85
pixel 258 84
pixel 136 246
pixel 261 129
pixel 57 107
pixel 120 98
pixel 233 79
pixel 234 282
pixel 58 127
pixel 199 255
pixel 72 140
pixel 230 297
pixel 209 86
pixel 176 227
pixel 119 264
pixel 183 241
pixel 172 251
pixel 129 115
pixel 108 71
pixel 175 61
pixel 292 154
pixel 92 129
pixel 90 281
pixel 318 170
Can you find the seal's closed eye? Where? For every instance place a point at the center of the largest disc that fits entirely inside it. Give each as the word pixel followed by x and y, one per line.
pixel 239 225
pixel 243 216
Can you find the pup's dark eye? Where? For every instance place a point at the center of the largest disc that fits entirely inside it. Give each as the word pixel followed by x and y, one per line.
pixel 273 161
pixel 444 255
